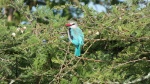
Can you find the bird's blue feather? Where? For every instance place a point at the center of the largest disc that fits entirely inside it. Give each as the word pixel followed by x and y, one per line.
pixel 77 50
pixel 76 35
pixel 77 38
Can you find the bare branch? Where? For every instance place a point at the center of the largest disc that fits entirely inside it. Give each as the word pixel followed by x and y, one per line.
pixel 138 79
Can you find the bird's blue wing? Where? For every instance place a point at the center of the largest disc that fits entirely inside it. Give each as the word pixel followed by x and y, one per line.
pixel 76 36
pixel 80 36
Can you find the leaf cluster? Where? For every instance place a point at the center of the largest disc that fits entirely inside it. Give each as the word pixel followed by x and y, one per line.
pixel 116 48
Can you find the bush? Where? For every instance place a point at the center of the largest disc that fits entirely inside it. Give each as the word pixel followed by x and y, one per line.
pixel 116 48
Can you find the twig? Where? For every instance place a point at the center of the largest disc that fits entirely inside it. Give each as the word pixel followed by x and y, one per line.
pixel 138 39
pixel 4 60
pixel 132 61
pixel 90 59
pixel 138 80
pixel 63 66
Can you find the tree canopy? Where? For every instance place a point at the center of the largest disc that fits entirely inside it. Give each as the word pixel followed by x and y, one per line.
pixel 34 47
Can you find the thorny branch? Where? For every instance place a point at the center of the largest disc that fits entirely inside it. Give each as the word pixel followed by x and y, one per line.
pixel 138 79
pixel 59 75
pixel 64 66
pixel 132 61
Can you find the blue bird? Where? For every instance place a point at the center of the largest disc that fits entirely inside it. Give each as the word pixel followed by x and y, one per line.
pixel 76 36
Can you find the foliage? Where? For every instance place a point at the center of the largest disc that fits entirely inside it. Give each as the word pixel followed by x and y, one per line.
pixel 116 48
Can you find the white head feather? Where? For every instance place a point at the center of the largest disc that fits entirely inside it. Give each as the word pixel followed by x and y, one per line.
pixel 72 24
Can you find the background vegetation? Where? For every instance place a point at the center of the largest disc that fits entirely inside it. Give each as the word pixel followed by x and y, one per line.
pixel 116 49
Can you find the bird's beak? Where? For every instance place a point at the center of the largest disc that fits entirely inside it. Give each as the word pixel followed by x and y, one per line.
pixel 67 25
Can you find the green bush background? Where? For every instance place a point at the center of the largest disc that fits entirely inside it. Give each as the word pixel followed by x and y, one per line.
pixel 116 49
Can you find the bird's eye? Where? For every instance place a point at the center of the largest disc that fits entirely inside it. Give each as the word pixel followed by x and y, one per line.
pixel 73 24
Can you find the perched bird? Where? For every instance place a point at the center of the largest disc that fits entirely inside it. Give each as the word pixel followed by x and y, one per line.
pixel 76 36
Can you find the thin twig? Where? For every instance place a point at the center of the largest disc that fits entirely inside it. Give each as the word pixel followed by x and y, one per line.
pixel 4 60
pixel 138 79
pixel 132 61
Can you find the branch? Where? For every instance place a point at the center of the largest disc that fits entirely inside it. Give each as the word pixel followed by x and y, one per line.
pixel 132 61
pixel 87 59
pixel 125 39
pixel 4 60
pixel 139 79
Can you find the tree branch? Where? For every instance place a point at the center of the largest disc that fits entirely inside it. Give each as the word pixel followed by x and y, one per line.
pixel 139 79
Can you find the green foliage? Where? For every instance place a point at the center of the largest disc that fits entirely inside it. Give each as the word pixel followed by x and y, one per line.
pixel 116 48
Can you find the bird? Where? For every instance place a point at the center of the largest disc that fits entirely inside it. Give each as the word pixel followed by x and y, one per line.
pixel 76 36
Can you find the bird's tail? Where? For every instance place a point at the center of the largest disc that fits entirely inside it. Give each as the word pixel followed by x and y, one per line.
pixel 77 50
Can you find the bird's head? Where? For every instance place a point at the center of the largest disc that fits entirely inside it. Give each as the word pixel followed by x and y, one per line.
pixel 72 24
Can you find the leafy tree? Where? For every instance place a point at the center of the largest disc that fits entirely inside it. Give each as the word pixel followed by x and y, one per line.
pixel 116 48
